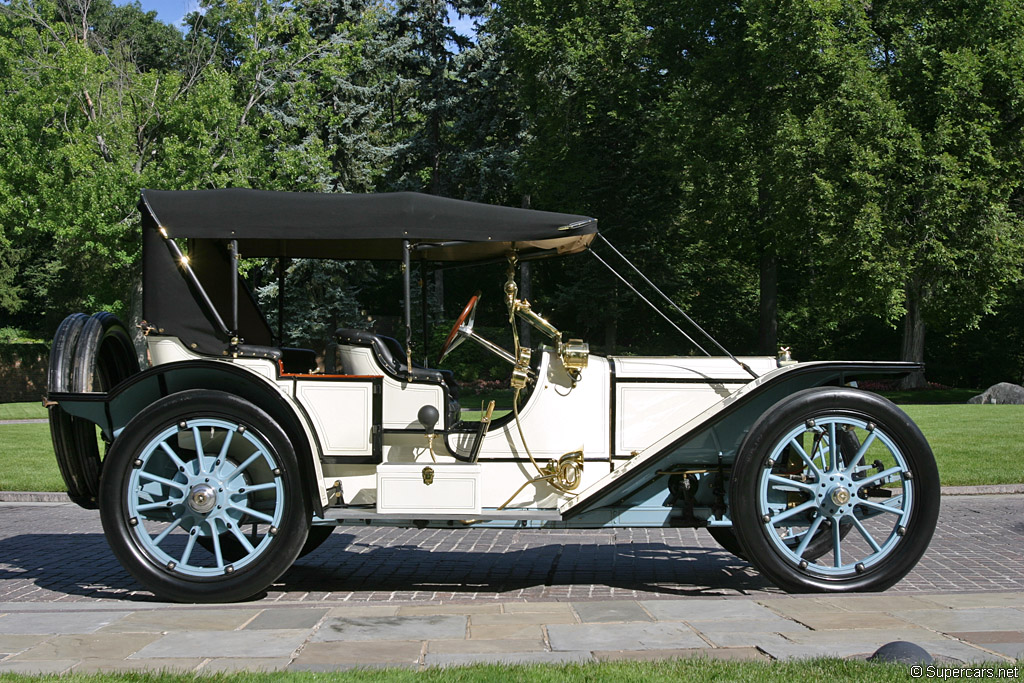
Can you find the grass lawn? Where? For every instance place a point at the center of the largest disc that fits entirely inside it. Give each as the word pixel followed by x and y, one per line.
pixel 22 411
pixel 812 671
pixel 973 444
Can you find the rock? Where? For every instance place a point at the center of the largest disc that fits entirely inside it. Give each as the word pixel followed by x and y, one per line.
pixel 1004 392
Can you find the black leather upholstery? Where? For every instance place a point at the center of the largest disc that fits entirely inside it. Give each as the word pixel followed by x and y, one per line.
pixel 392 365
pixel 298 361
pixel 255 351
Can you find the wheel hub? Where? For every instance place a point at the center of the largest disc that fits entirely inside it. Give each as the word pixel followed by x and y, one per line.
pixel 202 498
pixel 840 496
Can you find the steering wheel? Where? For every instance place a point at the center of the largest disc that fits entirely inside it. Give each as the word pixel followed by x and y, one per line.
pixel 465 320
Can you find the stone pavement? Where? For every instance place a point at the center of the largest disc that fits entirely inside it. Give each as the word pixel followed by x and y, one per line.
pixel 415 598
pixel 88 637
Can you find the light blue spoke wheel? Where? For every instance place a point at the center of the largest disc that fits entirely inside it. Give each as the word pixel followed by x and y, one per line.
pixel 834 489
pixel 202 500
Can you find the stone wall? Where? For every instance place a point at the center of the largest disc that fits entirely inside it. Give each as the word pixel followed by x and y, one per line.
pixel 23 372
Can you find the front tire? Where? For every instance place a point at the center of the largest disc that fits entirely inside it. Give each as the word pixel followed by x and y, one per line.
pixel 888 492
pixel 203 464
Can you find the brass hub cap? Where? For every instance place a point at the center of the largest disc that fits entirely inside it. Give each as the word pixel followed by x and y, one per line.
pixel 840 496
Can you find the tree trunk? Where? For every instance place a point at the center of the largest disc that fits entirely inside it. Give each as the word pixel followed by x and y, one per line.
pixel 768 327
pixel 912 348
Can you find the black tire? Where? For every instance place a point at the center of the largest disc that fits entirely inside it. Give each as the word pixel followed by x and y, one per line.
pixel 144 541
pixel 66 430
pixel 89 354
pixel 765 496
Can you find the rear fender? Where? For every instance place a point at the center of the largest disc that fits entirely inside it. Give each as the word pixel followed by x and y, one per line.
pixel 113 410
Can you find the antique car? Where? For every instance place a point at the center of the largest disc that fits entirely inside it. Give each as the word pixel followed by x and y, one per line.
pixel 231 456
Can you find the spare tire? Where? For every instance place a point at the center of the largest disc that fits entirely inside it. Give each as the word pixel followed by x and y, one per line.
pixel 89 354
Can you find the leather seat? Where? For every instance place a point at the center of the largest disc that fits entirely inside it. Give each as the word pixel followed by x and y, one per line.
pixel 391 363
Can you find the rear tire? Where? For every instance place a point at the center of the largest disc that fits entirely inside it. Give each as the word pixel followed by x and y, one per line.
pixel 204 463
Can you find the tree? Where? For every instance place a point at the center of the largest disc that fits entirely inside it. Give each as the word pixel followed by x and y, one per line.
pixel 953 210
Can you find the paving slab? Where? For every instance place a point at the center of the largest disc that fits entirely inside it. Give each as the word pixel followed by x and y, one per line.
pixel 97 665
pixel 742 638
pixel 836 620
pixel 993 599
pixel 484 646
pixel 287 618
pixel 487 608
pixel 865 636
pixel 890 604
pixel 786 651
pixel 33 668
pixel 795 607
pixel 982 637
pixel 356 610
pixel 159 621
pixel 12 644
pixel 333 656
pixel 766 625
pixel 522 618
pixel 722 653
pixel 233 664
pixel 549 607
pixel 57 623
pixel 434 627
pixel 608 611
pixel 684 610
pixel 966 619
pixel 506 631
pixel 507 658
pixel 652 636
pixel 1011 650
pixel 225 644
pixel 95 645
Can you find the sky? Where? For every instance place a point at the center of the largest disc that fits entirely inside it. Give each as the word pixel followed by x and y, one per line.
pixel 173 11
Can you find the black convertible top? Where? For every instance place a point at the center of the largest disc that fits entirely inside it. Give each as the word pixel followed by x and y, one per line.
pixel 200 298
pixel 363 226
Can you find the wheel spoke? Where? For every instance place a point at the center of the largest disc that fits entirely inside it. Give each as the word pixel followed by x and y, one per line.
pixel 867 481
pixel 215 537
pixel 808 535
pixel 833 448
pixel 163 534
pixel 154 506
pixel 222 456
pixel 803 507
pixel 178 462
pixel 188 548
pixel 253 513
pixel 199 449
pixel 860 453
pixel 867 536
pixel 879 507
pixel 784 481
pixel 260 487
pixel 807 460
pixel 242 539
pixel 241 468
pixel 837 538
pixel 160 480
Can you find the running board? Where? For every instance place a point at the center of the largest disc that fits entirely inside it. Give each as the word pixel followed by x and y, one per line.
pixel 358 514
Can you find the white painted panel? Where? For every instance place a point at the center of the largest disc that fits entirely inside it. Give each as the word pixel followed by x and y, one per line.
pixel 342 414
pixel 646 412
pixel 455 489
pixel 691 367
